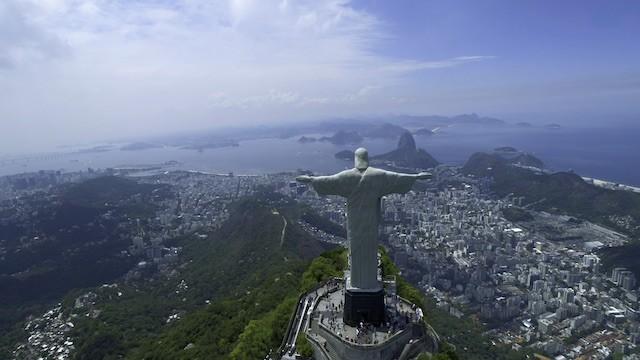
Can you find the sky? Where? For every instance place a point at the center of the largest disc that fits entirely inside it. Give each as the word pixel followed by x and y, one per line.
pixel 83 70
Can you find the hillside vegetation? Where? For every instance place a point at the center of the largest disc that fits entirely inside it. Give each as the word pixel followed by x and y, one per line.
pixel 77 245
pixel 621 256
pixel 233 297
pixel 560 192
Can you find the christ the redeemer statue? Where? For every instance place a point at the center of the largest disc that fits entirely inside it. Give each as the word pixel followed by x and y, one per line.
pixel 363 187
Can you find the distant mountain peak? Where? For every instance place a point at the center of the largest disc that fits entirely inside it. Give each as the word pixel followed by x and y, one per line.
pixel 343 137
pixel 481 164
pixel 407 142
pixel 408 155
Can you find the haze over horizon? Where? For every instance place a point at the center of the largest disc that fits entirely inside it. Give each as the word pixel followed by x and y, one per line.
pixel 75 70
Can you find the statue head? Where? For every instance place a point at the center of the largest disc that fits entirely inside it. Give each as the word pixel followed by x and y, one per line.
pixel 362 159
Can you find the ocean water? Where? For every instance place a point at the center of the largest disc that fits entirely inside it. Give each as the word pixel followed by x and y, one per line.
pixel 609 153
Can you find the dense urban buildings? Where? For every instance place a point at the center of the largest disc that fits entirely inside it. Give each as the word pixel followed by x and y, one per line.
pixel 534 279
pixel 535 283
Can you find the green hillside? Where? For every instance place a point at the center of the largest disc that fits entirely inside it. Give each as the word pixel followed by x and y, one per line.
pixel 322 223
pixel 560 192
pixel 110 192
pixel 621 256
pixel 250 279
pixel 78 245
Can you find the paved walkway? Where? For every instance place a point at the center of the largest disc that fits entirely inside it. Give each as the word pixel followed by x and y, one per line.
pixel 284 230
pixel 302 316
pixel 330 311
pixel 326 304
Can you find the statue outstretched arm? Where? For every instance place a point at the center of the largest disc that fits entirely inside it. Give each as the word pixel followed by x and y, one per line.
pixel 304 179
pixel 336 184
pixel 401 183
pixel 421 176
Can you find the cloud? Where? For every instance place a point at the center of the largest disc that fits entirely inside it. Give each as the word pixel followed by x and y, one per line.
pixel 22 41
pixel 275 97
pixel 413 65
pixel 103 67
pixel 272 97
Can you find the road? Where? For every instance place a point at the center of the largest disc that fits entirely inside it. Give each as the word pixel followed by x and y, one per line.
pixel 284 230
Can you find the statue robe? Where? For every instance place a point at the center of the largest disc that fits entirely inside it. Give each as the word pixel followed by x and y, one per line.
pixel 363 190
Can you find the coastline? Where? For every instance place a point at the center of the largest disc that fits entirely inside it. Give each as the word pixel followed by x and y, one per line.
pixel 611 185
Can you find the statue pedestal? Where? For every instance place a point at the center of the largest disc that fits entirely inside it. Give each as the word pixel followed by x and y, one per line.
pixel 363 306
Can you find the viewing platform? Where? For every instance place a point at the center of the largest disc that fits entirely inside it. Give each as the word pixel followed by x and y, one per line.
pixel 402 335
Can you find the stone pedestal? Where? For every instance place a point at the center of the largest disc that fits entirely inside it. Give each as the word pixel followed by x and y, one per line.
pixel 365 306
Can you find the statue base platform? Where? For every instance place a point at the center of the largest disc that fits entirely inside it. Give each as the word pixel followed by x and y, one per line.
pixel 363 306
